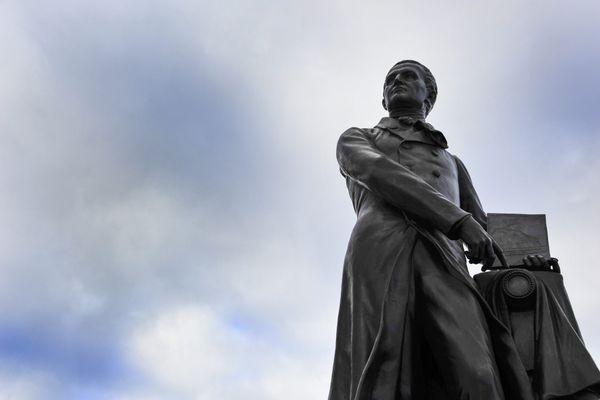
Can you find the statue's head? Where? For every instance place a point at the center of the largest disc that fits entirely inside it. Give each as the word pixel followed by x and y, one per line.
pixel 409 83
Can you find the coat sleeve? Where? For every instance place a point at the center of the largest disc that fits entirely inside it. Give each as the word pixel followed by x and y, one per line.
pixel 362 162
pixel 469 200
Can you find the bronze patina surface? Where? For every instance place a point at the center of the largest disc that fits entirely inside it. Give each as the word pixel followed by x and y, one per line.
pixel 412 323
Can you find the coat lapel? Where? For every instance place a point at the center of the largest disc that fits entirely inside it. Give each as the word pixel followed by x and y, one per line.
pixel 413 130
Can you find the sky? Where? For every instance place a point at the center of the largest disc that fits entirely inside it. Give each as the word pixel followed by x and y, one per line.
pixel 173 218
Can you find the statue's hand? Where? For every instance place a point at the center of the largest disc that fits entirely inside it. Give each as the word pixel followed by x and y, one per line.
pixel 539 261
pixel 482 248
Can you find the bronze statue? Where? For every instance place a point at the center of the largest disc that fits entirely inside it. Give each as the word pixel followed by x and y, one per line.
pixel 412 323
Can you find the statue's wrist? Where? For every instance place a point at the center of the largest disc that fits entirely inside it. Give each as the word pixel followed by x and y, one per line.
pixel 456 230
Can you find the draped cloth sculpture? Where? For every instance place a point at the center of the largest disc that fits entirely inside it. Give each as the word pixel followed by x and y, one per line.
pixel 539 314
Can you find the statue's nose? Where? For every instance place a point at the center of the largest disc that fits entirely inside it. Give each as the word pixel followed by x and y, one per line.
pixel 399 79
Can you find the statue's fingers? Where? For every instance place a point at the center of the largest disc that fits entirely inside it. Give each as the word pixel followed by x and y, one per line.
pixel 473 256
pixel 480 253
pixel 489 262
pixel 474 260
pixel 490 257
pixel 542 260
pixel 535 260
pixel 527 262
pixel 500 254
pixel 554 263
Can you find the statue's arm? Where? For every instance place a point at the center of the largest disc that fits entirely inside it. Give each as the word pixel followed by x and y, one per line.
pixel 360 160
pixel 469 200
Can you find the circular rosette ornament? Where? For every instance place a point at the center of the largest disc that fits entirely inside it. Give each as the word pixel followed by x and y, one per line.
pixel 519 288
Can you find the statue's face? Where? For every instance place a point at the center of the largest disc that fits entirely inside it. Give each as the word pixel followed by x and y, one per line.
pixel 404 86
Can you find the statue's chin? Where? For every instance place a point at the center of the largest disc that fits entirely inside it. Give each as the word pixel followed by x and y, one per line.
pixel 403 107
pixel 402 101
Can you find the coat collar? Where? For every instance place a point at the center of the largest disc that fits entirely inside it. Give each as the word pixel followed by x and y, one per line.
pixel 423 132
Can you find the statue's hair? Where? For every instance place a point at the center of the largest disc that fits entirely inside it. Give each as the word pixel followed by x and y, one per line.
pixel 429 83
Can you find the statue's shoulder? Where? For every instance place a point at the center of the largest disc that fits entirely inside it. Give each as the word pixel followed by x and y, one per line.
pixel 356 129
pixel 384 124
pixel 461 167
pixel 365 132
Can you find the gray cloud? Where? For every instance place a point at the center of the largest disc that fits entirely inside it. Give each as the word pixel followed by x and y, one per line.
pixel 169 173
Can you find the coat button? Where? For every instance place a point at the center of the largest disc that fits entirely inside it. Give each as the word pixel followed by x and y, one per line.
pixel 406 145
pixel 436 173
pixel 410 167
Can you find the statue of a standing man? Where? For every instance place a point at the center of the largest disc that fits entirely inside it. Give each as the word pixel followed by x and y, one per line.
pixel 412 325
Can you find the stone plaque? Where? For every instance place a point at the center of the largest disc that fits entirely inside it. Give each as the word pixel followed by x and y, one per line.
pixel 519 235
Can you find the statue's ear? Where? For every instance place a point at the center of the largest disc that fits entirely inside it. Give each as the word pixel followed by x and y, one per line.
pixel 426 106
pixel 383 104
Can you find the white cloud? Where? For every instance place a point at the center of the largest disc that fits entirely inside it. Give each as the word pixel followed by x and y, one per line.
pixel 187 349
pixel 26 385
pixel 189 352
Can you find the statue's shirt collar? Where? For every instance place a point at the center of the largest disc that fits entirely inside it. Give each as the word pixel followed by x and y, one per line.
pixel 422 131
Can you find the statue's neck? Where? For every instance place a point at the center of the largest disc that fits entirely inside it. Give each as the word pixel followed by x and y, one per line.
pixel 408 112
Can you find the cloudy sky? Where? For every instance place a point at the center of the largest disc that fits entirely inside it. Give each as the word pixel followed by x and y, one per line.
pixel 173 222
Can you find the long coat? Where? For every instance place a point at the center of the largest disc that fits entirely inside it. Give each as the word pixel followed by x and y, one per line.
pixel 405 187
